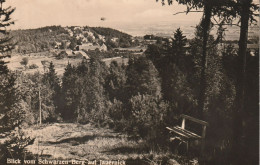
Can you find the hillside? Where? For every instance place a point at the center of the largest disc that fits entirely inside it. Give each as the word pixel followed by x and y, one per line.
pixel 51 37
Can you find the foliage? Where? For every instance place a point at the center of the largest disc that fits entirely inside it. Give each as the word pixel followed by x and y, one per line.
pixel 14 146
pixel 38 40
pixel 46 38
pixel 9 98
pixel 87 103
pixel 115 81
pixel 12 111
pixel 124 40
pixel 142 78
pixel 5 42
pixel 176 70
pixel 24 61
pixel 147 117
pixel 68 85
pixel 33 66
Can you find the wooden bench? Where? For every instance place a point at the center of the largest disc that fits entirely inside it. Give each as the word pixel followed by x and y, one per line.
pixel 187 136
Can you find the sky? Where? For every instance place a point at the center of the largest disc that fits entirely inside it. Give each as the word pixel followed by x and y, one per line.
pixel 135 17
pixel 121 14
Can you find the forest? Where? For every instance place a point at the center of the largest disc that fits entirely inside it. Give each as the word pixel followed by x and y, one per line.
pixel 142 98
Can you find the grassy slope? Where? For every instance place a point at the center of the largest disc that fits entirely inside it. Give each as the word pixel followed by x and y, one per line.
pixel 75 141
pixel 68 141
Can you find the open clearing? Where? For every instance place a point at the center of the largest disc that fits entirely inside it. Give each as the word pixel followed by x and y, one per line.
pixel 83 142
pixel 59 64
pixel 36 58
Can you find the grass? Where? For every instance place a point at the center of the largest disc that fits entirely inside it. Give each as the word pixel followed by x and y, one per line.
pixel 75 141
pixel 36 58
pixel 86 142
pixel 60 64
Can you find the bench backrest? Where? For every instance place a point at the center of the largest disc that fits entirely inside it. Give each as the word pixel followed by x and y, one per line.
pixel 201 122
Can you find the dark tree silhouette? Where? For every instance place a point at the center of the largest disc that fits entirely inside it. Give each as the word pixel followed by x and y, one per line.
pixel 245 9
pixel 5 40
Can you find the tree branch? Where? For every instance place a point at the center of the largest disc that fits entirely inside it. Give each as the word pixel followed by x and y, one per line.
pixel 228 24
pixel 187 12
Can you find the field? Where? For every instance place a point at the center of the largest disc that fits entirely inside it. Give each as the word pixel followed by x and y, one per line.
pixel 36 58
pixel 60 64
pixel 67 141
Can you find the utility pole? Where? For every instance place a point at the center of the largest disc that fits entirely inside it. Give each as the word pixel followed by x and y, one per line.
pixel 40 106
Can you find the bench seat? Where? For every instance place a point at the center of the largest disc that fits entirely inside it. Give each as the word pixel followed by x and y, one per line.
pixel 184 133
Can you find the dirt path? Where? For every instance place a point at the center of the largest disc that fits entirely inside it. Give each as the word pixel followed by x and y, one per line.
pixel 82 142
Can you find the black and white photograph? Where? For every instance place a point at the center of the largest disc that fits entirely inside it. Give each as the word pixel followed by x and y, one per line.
pixel 129 82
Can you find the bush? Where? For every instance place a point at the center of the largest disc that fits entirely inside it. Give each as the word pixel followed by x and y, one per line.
pixel 15 146
pixel 24 61
pixel 33 66
pixel 147 118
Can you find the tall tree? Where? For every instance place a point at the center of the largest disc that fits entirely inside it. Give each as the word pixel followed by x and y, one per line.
pixel 10 112
pixel 7 86
pixel 51 77
pixel 52 84
pixel 142 78
pixel 245 9
pixel 68 87
pixel 178 45
pixel 115 81
pixel 5 41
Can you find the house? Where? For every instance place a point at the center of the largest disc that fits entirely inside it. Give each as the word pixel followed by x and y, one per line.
pixel 81 54
pixel 87 47
pixel 57 45
pixel 114 39
pixel 84 40
pixel 103 48
pixel 67 53
pixel 78 28
pixel 79 36
pixel 149 42
pixel 102 38
pixel 250 47
pixel 62 55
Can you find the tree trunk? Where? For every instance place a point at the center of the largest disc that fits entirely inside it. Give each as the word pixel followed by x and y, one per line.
pixel 239 111
pixel 203 84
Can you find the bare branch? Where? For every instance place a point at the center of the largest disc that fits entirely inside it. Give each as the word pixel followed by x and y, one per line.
pixel 228 24
pixel 187 12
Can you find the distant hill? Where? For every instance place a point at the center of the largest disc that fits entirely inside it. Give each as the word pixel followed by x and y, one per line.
pixel 108 32
pixel 38 40
pixel 51 37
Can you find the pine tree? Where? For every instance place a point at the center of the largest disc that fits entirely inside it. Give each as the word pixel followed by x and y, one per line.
pixel 115 81
pixel 10 111
pixel 5 40
pixel 142 78
pixel 178 47
pixel 8 96
pixel 68 92
pixel 51 84
pixel 51 78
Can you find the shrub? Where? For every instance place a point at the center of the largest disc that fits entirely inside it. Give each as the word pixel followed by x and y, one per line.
pixel 33 66
pixel 147 117
pixel 24 61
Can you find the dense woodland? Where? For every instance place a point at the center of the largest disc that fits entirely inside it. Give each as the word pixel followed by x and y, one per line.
pixel 144 96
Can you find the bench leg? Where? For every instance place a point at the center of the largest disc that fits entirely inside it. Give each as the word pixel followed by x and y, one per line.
pixel 188 147
pixel 202 147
